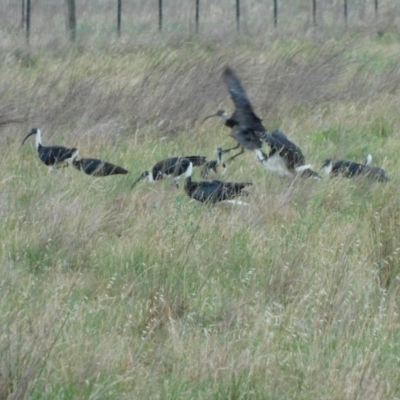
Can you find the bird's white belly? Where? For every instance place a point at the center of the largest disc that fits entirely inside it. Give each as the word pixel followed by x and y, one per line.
pixel 276 164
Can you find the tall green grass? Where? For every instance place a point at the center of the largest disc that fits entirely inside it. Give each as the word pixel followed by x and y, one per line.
pixel 108 292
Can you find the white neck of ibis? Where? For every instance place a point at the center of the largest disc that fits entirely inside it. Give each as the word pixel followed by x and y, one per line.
pixel 38 139
pixel 368 160
pixel 189 171
pixel 150 176
pixel 328 168
pixel 75 155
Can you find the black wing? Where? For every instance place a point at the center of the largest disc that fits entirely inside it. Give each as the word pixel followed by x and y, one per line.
pixel 244 114
pixel 247 138
pixel 173 166
pixel 166 167
pixel 215 191
pixel 196 160
pixel 96 167
pixel 51 155
pixel 279 143
pixel 348 169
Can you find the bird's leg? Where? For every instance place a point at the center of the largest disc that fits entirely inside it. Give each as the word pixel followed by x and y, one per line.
pixel 238 154
pixel 232 148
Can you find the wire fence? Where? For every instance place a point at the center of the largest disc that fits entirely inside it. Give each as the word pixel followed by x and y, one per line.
pixel 135 17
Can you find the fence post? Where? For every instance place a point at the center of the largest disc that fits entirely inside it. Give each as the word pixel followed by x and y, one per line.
pixel 345 12
pixel 376 8
pixel 314 12
pixel 238 15
pixel 119 10
pixel 23 15
pixel 71 19
pixel 275 13
pixel 160 15
pixel 197 15
pixel 28 20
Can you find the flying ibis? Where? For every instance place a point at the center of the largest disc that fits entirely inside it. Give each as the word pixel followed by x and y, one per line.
pixel 246 125
pixel 213 191
pixel 284 157
pixel 96 167
pixel 351 169
pixel 170 167
pixel 214 167
pixel 52 156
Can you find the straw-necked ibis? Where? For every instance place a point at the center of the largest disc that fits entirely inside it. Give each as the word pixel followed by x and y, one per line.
pixel 96 167
pixel 246 126
pixel 284 157
pixel 172 167
pixel 351 169
pixel 214 167
pixel 52 156
pixel 213 191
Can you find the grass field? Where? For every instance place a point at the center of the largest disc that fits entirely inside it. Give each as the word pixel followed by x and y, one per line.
pixel 113 293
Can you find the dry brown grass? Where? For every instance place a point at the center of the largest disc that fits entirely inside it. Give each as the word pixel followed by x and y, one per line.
pixel 107 292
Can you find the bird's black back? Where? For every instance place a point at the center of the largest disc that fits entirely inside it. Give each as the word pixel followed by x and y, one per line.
pixel 279 143
pixel 173 166
pixel 96 167
pixel 247 138
pixel 213 191
pixel 348 169
pixel 196 160
pixel 51 155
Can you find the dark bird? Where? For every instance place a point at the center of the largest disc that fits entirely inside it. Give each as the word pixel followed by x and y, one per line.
pixel 213 191
pixel 52 156
pixel 246 125
pixel 284 157
pixel 351 169
pixel 214 167
pixel 96 167
pixel 170 167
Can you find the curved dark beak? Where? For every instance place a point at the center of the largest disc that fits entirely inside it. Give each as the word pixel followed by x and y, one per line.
pixel 29 134
pixel 138 179
pixel 324 165
pixel 210 116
